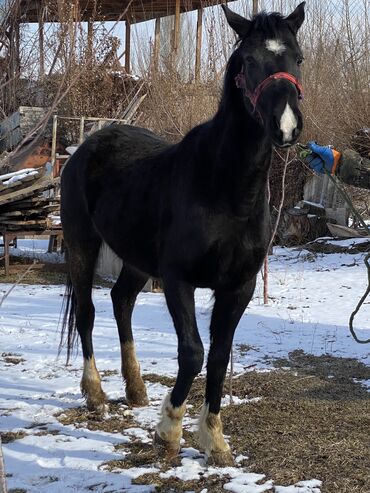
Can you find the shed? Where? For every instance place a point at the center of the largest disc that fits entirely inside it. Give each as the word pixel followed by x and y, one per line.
pixel 90 11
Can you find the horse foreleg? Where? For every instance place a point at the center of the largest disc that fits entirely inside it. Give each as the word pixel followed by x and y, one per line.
pixel 228 308
pixel 124 294
pixel 180 301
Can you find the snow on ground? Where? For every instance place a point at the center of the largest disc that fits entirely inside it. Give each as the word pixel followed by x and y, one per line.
pixel 311 300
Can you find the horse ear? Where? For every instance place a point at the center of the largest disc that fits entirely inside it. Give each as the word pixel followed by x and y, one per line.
pixel 296 18
pixel 240 25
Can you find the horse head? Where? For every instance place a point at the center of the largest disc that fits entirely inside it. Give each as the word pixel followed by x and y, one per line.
pixel 267 63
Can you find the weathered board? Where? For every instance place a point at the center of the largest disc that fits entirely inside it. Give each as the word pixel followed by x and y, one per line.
pixel 14 128
pixel 41 186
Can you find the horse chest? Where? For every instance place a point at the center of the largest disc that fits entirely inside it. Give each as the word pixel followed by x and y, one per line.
pixel 233 255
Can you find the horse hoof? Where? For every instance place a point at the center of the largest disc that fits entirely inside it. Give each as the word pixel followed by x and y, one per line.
pixel 167 450
pixel 96 403
pixel 97 407
pixel 137 397
pixel 221 459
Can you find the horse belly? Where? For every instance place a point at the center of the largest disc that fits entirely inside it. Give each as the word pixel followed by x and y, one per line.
pixel 132 237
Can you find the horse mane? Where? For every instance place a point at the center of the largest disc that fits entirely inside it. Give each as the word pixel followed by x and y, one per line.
pixel 268 23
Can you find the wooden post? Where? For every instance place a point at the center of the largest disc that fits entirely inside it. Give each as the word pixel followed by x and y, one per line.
pixel 176 34
pixel 41 47
pixel 198 44
pixel 6 252
pixel 82 128
pixel 90 41
pixel 127 47
pixel 41 50
pixel 17 43
pixel 157 43
pixel 255 7
pixel 54 142
pixel 2 472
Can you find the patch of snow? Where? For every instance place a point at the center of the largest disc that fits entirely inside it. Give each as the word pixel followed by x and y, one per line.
pixel 71 149
pixel 20 172
pixel 226 401
pixel 35 248
pixel 20 177
pixel 310 486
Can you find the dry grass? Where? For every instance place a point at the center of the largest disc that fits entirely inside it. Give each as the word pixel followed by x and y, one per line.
pixel 12 358
pixel 313 421
pixel 40 273
pixel 213 483
pixel 154 378
pixel 117 419
pixel 11 436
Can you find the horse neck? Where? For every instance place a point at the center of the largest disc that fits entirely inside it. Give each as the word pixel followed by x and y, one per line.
pixel 243 151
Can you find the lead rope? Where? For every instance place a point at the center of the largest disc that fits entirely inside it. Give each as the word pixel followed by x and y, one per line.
pixel 338 185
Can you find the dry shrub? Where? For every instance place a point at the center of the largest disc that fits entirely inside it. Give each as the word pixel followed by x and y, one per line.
pixel 174 107
pixel 336 74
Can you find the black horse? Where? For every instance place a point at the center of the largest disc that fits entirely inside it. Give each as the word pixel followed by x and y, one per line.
pixel 194 214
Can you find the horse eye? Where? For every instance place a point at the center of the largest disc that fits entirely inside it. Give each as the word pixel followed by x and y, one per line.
pixel 299 61
pixel 250 60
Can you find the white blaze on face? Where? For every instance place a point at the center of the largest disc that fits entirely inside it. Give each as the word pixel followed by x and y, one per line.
pixel 275 45
pixel 288 123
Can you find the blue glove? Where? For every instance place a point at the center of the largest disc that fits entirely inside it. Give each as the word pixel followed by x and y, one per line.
pixel 322 158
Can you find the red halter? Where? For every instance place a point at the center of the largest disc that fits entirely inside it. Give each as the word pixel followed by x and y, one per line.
pixel 254 96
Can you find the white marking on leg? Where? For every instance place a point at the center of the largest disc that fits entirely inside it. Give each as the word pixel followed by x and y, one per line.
pixel 90 373
pixel 91 386
pixel 211 438
pixel 169 427
pixel 276 46
pixel 135 387
pixel 288 122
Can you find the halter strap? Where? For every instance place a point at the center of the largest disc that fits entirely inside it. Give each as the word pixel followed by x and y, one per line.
pixel 254 96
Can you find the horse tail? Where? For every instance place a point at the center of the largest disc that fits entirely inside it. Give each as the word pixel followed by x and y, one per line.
pixel 68 335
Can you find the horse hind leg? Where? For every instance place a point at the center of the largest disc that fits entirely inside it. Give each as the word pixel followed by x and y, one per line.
pixel 81 260
pixel 124 294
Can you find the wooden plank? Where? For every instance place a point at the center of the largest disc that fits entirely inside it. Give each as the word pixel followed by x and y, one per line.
pixel 27 203
pixel 42 211
pixel 23 222
pixel 28 191
pixel 17 185
pixel 15 173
